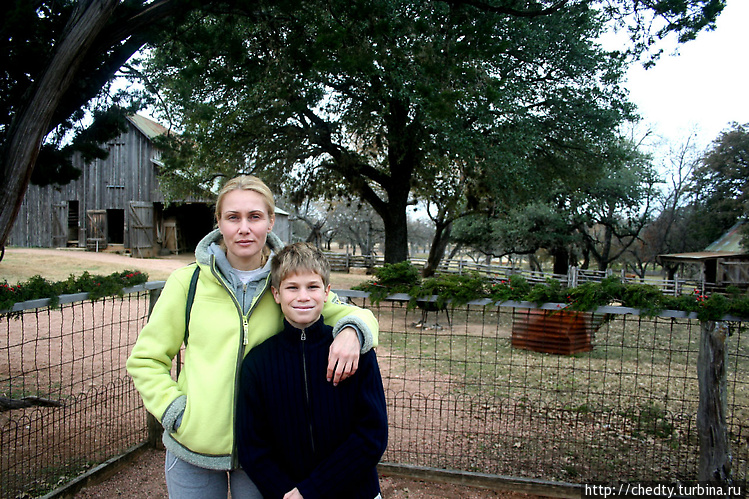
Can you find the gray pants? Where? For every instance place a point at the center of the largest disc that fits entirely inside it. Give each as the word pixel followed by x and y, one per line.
pixel 187 481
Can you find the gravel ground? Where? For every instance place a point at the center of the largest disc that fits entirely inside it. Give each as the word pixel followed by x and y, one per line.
pixel 144 479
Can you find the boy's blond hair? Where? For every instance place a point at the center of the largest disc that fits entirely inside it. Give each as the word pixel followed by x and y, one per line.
pixel 296 258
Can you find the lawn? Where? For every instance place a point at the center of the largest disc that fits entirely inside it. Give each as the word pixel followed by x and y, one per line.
pixel 19 264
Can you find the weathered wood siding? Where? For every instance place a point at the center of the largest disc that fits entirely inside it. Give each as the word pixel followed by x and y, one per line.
pixel 126 180
pixel 128 174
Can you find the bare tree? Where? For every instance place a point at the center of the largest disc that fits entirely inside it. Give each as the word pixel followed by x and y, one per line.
pixel 665 233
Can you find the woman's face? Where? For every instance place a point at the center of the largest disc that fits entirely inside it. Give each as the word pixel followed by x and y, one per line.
pixel 245 224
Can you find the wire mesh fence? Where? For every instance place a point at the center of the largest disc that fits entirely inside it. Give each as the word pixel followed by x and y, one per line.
pixel 462 397
pixel 69 404
pixel 464 393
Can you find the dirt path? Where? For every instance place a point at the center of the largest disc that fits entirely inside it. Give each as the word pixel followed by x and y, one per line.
pixel 20 264
pixel 144 479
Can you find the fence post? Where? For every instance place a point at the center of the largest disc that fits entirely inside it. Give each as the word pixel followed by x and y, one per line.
pixel 153 296
pixel 715 454
pixel 154 428
pixel 572 277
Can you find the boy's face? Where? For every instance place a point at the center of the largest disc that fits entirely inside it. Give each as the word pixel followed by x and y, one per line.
pixel 301 296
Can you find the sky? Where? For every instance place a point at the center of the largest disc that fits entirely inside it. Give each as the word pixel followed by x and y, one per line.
pixel 703 88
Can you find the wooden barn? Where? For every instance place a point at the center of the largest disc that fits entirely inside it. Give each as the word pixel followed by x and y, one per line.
pixel 725 262
pixel 116 205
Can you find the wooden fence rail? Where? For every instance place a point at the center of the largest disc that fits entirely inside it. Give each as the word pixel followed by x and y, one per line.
pixel 574 277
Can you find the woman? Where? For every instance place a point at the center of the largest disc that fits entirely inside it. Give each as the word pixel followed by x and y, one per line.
pixel 231 313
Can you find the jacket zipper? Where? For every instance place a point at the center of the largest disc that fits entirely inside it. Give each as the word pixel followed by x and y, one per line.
pixel 245 318
pixel 243 343
pixel 306 388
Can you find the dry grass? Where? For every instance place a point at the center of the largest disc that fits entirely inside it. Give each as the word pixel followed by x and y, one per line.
pixel 19 264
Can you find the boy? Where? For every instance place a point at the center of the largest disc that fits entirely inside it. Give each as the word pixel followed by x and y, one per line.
pixel 298 435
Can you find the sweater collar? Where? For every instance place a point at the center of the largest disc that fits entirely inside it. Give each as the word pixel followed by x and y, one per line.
pixel 314 332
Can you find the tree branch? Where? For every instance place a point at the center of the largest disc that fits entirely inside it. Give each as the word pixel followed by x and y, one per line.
pixel 485 7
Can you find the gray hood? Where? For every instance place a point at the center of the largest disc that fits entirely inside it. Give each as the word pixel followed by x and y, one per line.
pixel 203 252
pixel 208 249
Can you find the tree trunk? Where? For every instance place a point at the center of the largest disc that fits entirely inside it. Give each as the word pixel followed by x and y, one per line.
pixel 586 259
pixel 604 258
pixel 396 235
pixel 534 264
pixel 437 249
pixel 561 260
pixel 715 452
pixel 32 122
pixel 455 251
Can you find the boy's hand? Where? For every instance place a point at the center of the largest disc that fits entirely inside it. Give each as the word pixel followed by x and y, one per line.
pixel 343 358
pixel 293 494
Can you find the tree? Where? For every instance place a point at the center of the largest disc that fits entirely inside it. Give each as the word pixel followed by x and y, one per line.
pixel 420 233
pixel 446 202
pixel 667 232
pixel 618 207
pixel 721 182
pixel 57 56
pixel 369 98
pixel 522 230
pixel 356 224
pixel 67 51
pixel 307 218
pixel 705 194
pixel 595 215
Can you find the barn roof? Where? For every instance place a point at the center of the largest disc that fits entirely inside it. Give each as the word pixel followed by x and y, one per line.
pixel 701 255
pixel 727 245
pixel 147 126
pixel 730 241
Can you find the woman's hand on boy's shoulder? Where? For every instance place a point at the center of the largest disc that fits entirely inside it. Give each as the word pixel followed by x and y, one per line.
pixel 343 357
pixel 293 494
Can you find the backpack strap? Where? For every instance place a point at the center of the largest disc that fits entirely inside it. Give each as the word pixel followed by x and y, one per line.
pixel 190 299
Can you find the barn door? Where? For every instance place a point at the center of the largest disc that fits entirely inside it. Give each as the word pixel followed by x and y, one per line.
pixel 60 225
pixel 96 230
pixel 141 229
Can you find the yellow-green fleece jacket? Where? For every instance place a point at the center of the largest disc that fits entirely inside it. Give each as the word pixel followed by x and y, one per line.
pixel 220 335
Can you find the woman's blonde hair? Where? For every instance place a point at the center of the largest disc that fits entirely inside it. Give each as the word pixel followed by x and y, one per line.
pixel 248 183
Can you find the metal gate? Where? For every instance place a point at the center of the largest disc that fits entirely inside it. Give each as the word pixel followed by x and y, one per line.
pixel 96 233
pixel 60 225
pixel 141 229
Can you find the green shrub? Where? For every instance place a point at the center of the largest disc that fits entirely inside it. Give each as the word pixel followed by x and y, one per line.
pixel 391 278
pixel 460 289
pixel 96 286
pixel 515 288
pixel 551 292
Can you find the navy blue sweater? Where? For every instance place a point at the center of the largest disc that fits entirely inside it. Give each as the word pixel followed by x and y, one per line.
pixel 295 429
